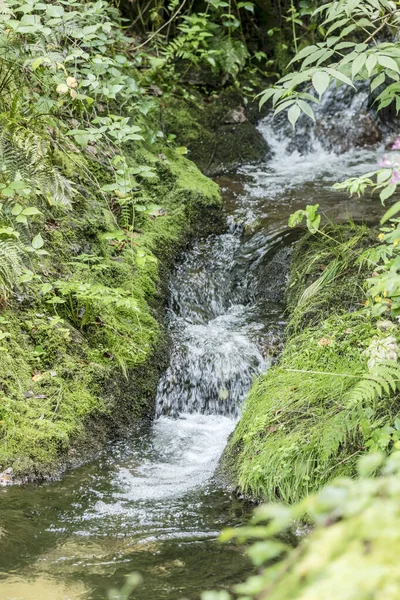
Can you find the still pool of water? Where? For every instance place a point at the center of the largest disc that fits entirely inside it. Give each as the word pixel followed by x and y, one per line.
pixel 154 503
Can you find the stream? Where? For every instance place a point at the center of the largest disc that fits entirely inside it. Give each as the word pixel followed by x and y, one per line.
pixel 154 503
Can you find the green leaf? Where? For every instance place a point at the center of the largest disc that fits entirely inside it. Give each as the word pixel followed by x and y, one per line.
pixel 313 225
pixel 26 277
pixel 379 79
pixel 343 45
pixel 293 115
pixel 370 64
pixel 313 57
pixel 54 10
pixel 37 62
pixel 391 212
pixel 303 53
pixel 306 108
pixel 37 242
pixel 389 63
pixel 351 5
pixel 46 288
pixel 357 65
pixel 296 218
pixel 247 6
pixel 30 211
pixel 17 209
pixel 261 552
pixel 369 463
pixel 338 75
pixel 347 30
pixel 336 25
pixel 320 81
pixel 284 105
pixel 383 175
pixel 387 191
pixel 265 96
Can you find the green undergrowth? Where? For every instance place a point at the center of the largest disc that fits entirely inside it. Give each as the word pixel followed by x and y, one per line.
pixel 82 341
pixel 351 557
pixel 350 554
pixel 307 419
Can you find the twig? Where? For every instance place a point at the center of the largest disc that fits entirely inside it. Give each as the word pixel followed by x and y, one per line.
pixel 161 28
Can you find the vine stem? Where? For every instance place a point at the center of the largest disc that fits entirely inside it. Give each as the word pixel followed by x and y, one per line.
pixel 293 27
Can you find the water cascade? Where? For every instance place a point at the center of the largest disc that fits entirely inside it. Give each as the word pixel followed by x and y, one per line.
pixel 153 503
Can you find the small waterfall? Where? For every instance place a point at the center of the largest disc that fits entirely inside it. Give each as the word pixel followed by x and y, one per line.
pixel 216 342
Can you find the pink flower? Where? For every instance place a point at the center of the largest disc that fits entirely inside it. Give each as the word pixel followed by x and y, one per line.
pixel 385 162
pixel 396 144
pixel 395 177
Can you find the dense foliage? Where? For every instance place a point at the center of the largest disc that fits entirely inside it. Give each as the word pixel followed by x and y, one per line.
pixel 353 520
pixel 330 398
pixel 89 200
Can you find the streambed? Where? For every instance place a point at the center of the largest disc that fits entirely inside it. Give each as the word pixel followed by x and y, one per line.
pixel 154 503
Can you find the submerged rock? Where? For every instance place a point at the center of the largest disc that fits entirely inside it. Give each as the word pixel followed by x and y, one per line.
pixel 342 135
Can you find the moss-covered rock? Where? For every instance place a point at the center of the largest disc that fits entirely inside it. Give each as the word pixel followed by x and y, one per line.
pixel 303 423
pixel 82 345
pixel 218 130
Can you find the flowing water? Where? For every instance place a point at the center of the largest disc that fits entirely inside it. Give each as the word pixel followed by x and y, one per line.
pixel 154 504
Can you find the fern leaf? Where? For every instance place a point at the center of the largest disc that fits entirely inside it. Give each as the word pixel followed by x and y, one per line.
pixel 10 265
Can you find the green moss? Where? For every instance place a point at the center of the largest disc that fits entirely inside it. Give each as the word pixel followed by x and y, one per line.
pixel 205 126
pixel 75 371
pixel 300 427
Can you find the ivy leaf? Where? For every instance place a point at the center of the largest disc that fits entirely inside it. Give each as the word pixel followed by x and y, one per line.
pixel 320 81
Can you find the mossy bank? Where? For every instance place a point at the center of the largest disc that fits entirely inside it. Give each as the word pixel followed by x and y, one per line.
pixel 82 340
pixel 218 129
pixel 310 417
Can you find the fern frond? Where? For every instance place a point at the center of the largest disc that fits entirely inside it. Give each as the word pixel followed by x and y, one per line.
pixel 10 265
pixel 385 379
pixel 26 154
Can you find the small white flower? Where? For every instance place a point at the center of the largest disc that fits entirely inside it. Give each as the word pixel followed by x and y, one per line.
pixel 381 349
